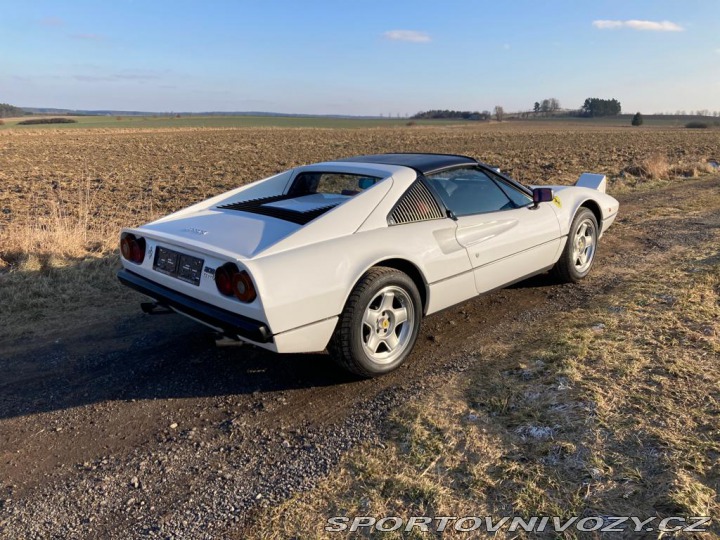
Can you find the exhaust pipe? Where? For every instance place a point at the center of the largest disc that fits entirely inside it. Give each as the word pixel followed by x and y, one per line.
pixel 153 308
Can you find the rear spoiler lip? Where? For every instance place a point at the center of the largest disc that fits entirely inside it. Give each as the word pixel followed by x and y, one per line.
pixel 593 181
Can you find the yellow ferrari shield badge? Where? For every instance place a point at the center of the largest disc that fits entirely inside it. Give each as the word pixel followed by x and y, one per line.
pixel 557 201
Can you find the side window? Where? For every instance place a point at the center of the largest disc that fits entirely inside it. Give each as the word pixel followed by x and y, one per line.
pixel 518 198
pixel 468 191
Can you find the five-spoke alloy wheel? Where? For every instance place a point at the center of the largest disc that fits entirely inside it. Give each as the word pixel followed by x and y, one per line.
pixel 380 323
pixel 387 324
pixel 579 253
pixel 584 245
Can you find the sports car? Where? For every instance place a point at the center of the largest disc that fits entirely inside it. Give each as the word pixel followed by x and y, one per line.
pixel 349 255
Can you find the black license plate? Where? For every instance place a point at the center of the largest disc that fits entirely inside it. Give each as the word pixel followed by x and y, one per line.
pixel 179 265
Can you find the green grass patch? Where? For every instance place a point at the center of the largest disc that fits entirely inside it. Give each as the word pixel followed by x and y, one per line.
pixel 43 121
pixel 163 122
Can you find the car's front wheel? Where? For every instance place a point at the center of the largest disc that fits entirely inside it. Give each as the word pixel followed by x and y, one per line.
pixel 579 253
pixel 380 323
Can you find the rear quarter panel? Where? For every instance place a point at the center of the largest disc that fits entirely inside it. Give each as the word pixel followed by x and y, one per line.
pixel 313 282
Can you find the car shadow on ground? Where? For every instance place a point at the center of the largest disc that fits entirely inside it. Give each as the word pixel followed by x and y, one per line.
pixel 149 357
pixel 145 357
pixel 534 282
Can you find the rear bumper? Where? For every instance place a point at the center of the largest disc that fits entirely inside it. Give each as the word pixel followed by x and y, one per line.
pixel 230 323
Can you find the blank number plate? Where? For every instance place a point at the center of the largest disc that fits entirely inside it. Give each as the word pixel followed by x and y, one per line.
pixel 179 265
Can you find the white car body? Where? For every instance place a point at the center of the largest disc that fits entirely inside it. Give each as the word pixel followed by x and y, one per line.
pixel 304 273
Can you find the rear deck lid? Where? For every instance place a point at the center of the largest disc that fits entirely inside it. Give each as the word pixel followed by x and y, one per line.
pixel 224 231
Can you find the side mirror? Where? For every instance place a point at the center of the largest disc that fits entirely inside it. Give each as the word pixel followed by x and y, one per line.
pixel 542 194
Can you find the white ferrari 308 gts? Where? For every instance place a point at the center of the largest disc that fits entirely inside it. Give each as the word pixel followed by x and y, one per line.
pixel 349 255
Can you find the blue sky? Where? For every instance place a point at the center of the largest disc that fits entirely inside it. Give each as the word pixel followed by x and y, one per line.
pixel 361 57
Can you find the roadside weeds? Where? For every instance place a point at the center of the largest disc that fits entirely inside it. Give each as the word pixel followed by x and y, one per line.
pixel 615 410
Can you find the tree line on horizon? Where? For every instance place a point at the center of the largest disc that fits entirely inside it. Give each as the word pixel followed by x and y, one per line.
pixel 591 108
pixel 9 111
pixel 451 114
pixel 594 107
pixel 549 105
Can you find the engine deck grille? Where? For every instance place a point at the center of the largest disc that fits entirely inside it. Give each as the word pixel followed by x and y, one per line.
pixel 259 206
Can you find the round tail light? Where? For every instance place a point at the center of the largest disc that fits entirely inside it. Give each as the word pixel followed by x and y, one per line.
pixel 224 278
pixel 132 248
pixel 231 281
pixel 243 287
pixel 126 247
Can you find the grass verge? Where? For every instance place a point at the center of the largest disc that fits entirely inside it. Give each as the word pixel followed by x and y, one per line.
pixel 58 264
pixel 615 411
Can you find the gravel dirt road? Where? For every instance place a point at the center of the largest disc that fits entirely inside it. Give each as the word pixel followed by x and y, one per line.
pixel 145 428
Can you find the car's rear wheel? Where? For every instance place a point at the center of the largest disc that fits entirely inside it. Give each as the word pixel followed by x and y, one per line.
pixel 579 253
pixel 380 323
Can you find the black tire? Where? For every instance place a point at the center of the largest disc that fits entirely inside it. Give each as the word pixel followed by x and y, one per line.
pixel 347 345
pixel 566 269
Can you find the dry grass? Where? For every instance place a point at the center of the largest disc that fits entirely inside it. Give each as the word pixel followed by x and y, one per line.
pixel 655 167
pixel 616 411
pixel 691 170
pixel 61 230
pixel 57 261
pixel 659 167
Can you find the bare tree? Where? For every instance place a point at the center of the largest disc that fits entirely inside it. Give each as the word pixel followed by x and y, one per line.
pixel 499 113
pixel 554 104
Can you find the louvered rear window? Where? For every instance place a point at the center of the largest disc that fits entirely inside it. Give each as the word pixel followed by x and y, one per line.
pixel 416 204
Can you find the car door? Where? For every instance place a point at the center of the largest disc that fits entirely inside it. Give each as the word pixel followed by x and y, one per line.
pixel 506 236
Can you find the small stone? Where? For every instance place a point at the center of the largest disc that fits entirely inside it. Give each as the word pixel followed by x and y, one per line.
pixel 134 482
pixel 173 425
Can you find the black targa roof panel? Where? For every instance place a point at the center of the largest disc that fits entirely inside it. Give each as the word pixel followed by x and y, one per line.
pixel 425 163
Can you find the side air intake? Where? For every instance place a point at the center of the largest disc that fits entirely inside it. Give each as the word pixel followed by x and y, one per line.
pixel 416 204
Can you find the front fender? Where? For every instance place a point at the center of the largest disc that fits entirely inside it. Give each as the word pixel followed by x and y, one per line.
pixel 569 199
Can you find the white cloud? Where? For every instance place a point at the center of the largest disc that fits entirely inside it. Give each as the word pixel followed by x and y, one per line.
pixel 605 25
pixel 407 35
pixel 653 26
pixel 717 50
